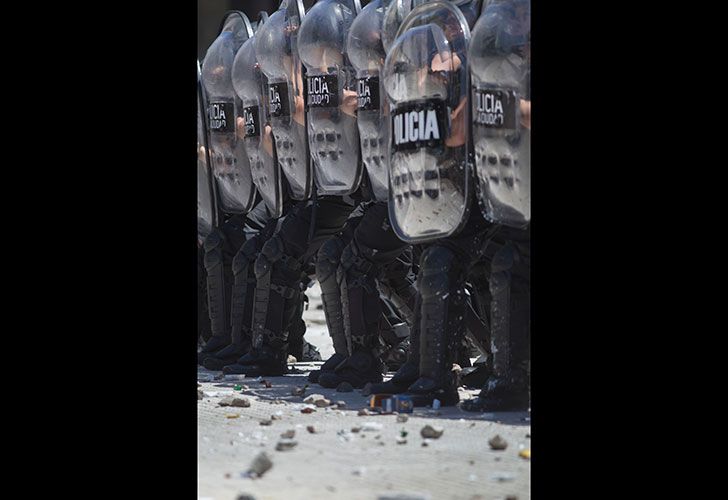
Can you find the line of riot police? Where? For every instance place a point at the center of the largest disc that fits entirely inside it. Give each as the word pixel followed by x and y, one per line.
pixel 385 152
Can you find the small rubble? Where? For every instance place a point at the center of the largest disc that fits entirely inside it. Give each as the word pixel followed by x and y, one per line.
pixel 311 429
pixel 363 412
pixel 289 434
pixel 318 400
pixel 299 391
pixel 307 410
pixel 402 418
pixel 286 444
pixel 200 394
pixel 341 405
pixel 431 432
pixel 498 443
pixel 233 401
pixel 266 422
pixel 260 465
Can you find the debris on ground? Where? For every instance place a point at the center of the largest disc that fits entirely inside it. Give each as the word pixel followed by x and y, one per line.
pixel 299 391
pixel 401 440
pixel 311 429
pixel 431 432
pixel 277 416
pixel 372 426
pixel 341 404
pixel 498 443
pixel 199 394
pixel 307 410
pixel 402 418
pixel 245 497
pixel 266 383
pixel 345 387
pixel 261 464
pixel 266 422
pixel 502 477
pixel 286 444
pixel 355 429
pixel 205 377
pixel 227 401
pixel 425 443
pixel 289 434
pixel 237 387
pixel 240 402
pixel 318 400
pixel 363 412
pixel 232 415
pixel 525 453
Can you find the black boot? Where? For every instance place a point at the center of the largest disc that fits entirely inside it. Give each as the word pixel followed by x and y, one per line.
pixel 218 299
pixel 327 262
pixel 277 296
pixel 442 326
pixel 507 389
pixel 361 313
pixel 409 372
pixel 241 306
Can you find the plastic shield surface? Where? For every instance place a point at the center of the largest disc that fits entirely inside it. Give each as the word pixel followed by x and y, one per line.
pixel 254 127
pixel 501 110
pixel 205 195
pixel 425 79
pixel 330 95
pixel 231 169
pixel 277 52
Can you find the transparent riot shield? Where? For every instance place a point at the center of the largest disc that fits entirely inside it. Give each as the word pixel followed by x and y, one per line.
pixel 276 47
pixel 330 95
pixel 425 80
pixel 366 53
pixel 499 59
pixel 231 168
pixel 205 195
pixel 254 127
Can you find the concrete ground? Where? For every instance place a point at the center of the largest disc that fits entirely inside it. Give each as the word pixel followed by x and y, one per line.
pixel 336 462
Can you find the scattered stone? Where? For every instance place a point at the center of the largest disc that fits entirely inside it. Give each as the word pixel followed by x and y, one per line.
pixel 275 417
pixel 311 429
pixel 525 453
pixel 245 497
pixel 291 359
pixel 359 471
pixel 431 432
pixel 345 387
pixel 372 426
pixel 299 391
pixel 199 394
pixel 341 404
pixel 227 475
pixel 318 400
pixel 245 387
pixel 401 440
pixel 511 497
pixel 240 402
pixel 363 412
pixel 228 401
pixel 266 422
pixel 261 464
pixel 308 410
pixel 498 443
pixel 425 443
pixel 286 444
pixel 402 418
pixel 268 385
pixel 355 429
pixel 289 434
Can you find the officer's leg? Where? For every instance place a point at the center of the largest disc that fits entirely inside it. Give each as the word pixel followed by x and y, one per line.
pixel 221 245
pixel 507 387
pixel 279 273
pixel 203 316
pixel 242 300
pixel 374 245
